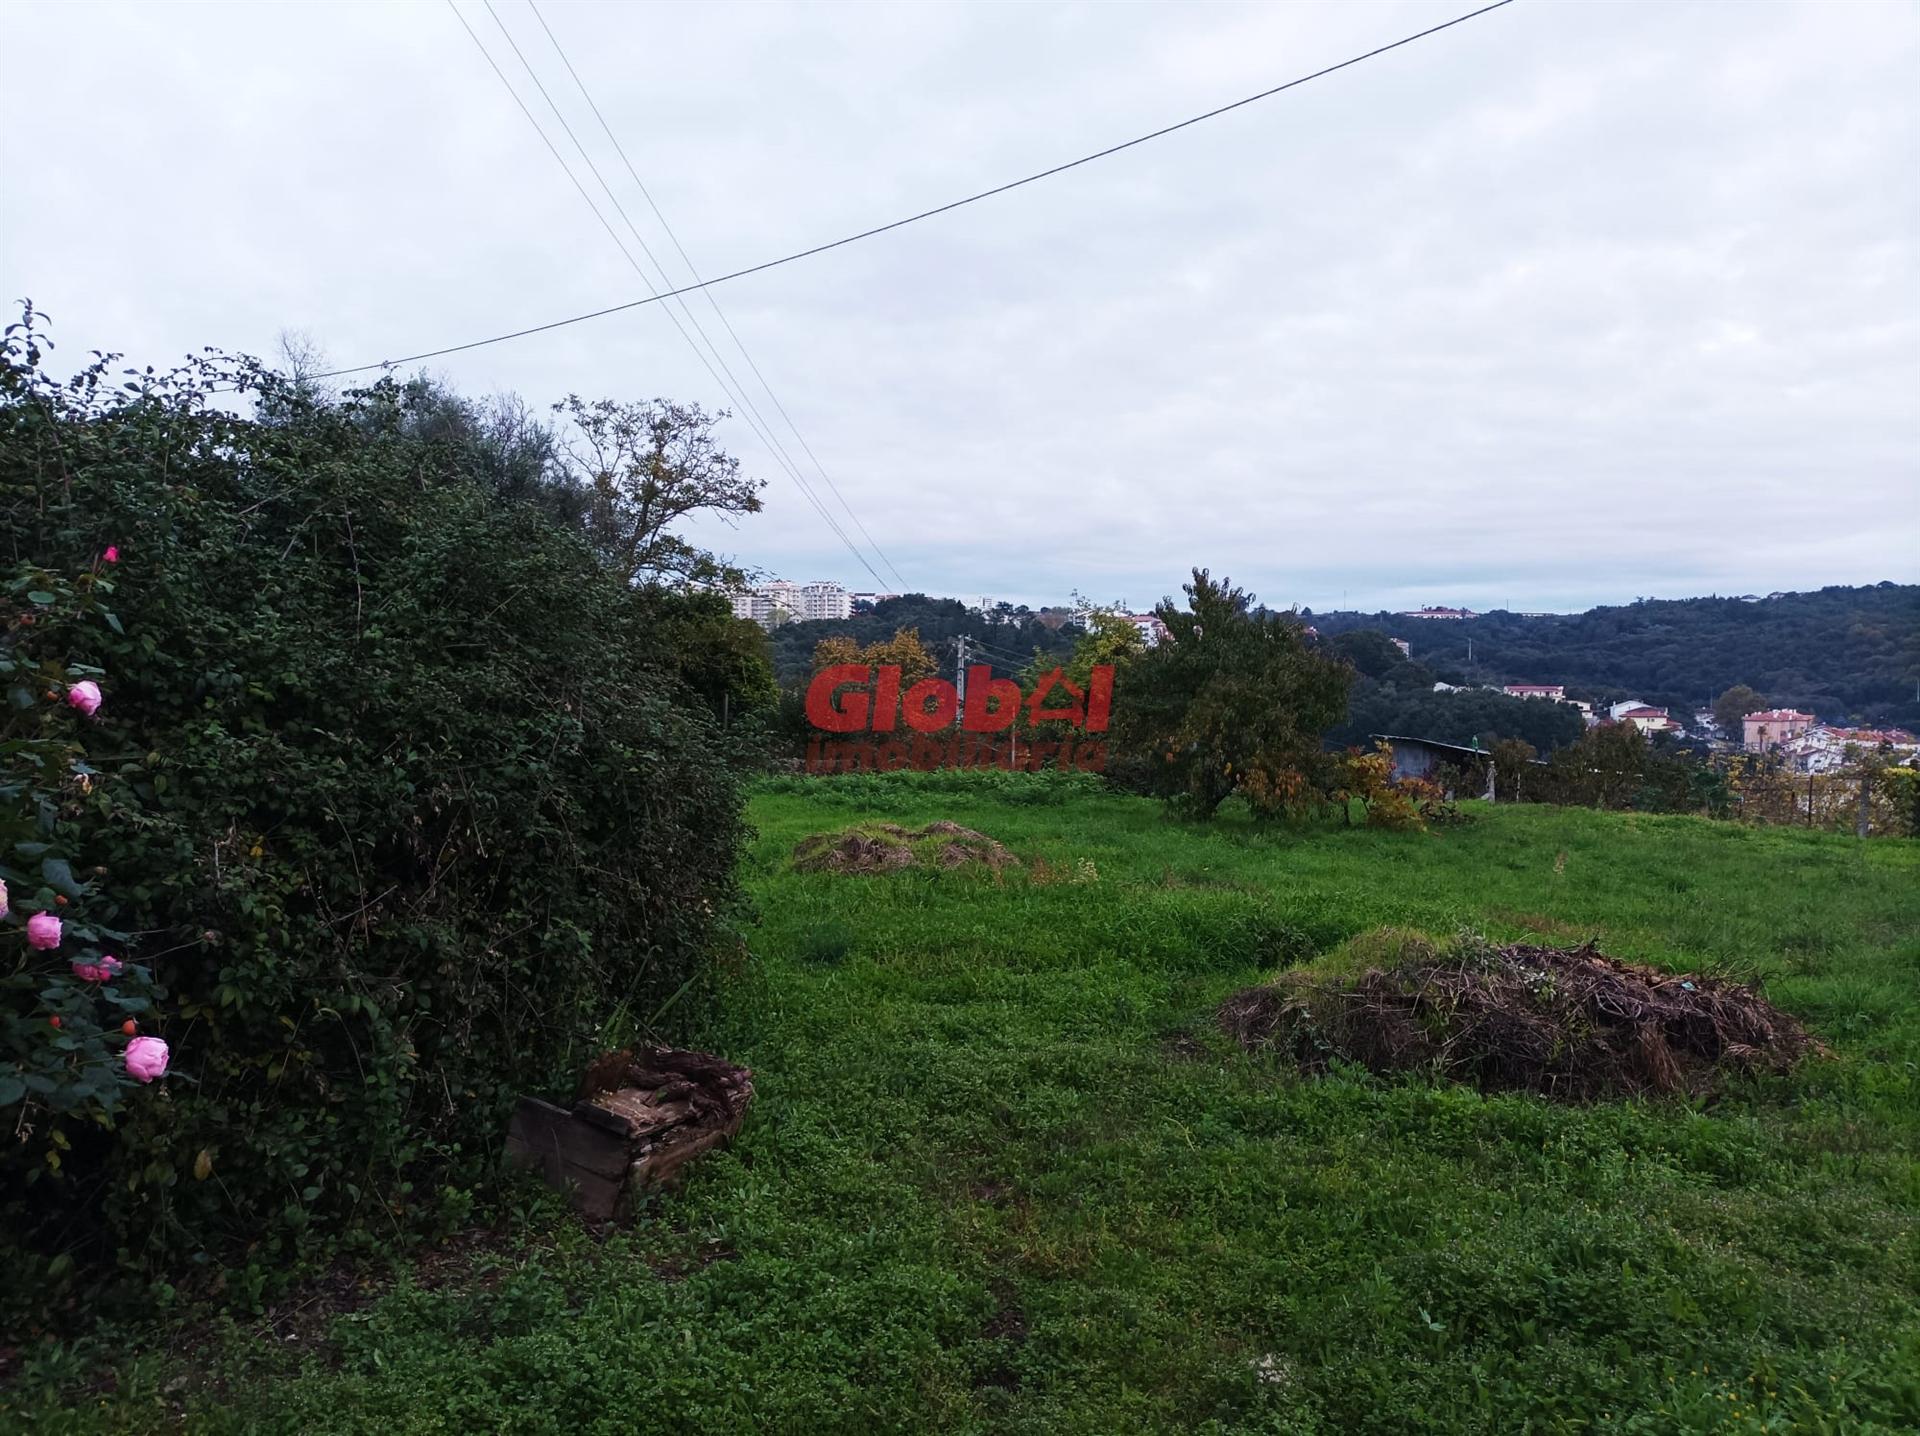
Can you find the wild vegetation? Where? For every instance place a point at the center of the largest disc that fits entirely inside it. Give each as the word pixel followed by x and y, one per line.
pixel 372 758
pixel 389 796
pixel 1004 1173
pixel 1007 633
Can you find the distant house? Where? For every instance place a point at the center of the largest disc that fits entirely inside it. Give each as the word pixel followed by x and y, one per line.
pixel 1769 729
pixel 1826 749
pixel 1874 737
pixel 1554 692
pixel 1148 625
pixel 1643 717
pixel 1435 613
pixel 1406 648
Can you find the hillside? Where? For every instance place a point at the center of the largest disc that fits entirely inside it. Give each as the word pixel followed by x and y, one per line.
pixel 1841 653
pixel 1004 1175
pixel 1007 636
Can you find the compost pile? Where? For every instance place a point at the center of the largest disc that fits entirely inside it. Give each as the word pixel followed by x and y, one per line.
pixel 888 848
pixel 1569 1023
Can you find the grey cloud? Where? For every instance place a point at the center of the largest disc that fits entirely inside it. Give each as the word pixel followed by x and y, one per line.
pixel 1566 305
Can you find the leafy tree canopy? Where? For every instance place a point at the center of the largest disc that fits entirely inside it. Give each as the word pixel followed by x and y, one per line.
pixel 1733 705
pixel 1230 701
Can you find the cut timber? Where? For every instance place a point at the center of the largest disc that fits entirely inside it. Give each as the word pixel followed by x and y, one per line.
pixel 642 1115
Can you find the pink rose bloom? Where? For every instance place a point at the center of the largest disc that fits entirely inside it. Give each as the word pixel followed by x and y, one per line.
pixel 112 555
pixel 147 1058
pixel 85 696
pixel 43 931
pixel 3 898
pixel 101 971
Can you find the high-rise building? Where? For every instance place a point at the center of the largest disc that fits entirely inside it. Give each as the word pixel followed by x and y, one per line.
pixel 779 601
pixel 825 599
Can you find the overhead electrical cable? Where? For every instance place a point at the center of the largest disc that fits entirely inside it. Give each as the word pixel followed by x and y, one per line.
pixel 749 413
pixel 923 214
pixel 1002 655
pixel 731 385
pixel 738 392
pixel 712 302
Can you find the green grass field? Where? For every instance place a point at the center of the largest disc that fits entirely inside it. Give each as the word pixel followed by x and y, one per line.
pixel 1003 1176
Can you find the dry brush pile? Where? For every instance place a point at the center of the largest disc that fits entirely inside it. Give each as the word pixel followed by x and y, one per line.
pixel 888 847
pixel 1570 1023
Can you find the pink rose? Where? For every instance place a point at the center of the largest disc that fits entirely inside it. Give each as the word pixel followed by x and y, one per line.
pixel 101 971
pixel 43 931
pixel 85 696
pixel 112 555
pixel 147 1058
pixel 3 898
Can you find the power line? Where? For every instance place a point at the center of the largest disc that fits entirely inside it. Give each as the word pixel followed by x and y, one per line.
pixel 738 393
pixel 1003 655
pixel 712 302
pixel 923 214
pixel 750 414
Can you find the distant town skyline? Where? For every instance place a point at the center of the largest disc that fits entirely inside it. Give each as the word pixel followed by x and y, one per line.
pixel 1435 611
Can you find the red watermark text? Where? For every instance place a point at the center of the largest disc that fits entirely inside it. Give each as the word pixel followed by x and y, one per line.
pixel 937 729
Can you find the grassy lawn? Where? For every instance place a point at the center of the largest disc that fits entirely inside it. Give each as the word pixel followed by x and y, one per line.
pixel 1003 1176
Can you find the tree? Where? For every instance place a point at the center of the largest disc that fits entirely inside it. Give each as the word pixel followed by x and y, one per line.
pixel 1512 759
pixel 1605 769
pixel 938 621
pixel 1109 638
pixel 904 649
pixel 1733 705
pixel 722 658
pixel 1370 651
pixel 646 467
pixel 1230 701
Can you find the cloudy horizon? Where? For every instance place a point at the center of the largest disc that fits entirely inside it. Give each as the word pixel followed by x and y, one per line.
pixel 1565 305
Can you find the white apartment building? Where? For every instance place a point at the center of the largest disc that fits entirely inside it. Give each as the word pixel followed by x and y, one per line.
pixel 780 601
pixel 824 599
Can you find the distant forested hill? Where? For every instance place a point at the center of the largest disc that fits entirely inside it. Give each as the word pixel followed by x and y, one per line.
pixel 1841 653
pixel 1007 635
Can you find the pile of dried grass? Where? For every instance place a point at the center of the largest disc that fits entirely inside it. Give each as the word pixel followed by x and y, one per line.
pixel 888 847
pixel 1567 1023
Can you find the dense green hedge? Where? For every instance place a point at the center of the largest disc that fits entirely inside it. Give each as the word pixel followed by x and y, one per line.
pixel 397 797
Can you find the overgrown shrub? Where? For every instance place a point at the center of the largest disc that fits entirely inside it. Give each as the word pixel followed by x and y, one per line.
pixel 395 792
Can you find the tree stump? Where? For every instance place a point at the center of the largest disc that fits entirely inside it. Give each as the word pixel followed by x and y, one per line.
pixel 642 1114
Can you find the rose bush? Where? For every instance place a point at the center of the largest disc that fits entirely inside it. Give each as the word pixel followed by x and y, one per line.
pixel 390 785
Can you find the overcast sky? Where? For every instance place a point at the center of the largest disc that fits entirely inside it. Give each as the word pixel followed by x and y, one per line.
pixel 1569 304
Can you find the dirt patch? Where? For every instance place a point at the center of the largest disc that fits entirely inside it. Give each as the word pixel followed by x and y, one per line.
pixel 1006 1330
pixel 890 848
pixel 1569 1023
pixel 1182 1045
